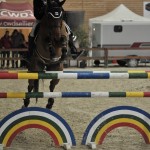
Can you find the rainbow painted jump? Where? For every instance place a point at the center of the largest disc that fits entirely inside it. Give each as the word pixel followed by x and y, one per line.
pixel 116 117
pixel 72 94
pixel 46 120
pixel 140 75
pixel 60 131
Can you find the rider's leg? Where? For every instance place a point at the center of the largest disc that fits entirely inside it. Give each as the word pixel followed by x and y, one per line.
pixel 32 36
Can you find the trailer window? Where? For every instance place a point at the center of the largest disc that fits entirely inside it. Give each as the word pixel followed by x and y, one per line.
pixel 118 28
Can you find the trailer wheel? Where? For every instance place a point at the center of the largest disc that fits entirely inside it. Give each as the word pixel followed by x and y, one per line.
pixel 132 62
pixel 121 63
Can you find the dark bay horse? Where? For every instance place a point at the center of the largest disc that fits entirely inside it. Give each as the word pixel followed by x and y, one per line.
pixel 50 49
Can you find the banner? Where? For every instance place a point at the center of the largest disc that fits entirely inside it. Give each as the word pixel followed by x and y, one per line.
pixel 16 15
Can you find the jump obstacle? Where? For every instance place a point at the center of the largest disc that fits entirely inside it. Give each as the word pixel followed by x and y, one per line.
pixel 60 131
pixel 40 118
pixel 140 75
pixel 115 117
pixel 57 127
pixel 72 94
pixel 79 71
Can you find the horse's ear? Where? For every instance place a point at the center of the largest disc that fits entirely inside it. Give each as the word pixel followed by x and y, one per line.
pixel 61 2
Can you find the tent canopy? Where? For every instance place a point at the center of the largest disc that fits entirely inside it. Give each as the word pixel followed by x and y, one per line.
pixel 120 14
pixel 16 15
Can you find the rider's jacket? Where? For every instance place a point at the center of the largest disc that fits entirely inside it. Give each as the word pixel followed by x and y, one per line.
pixel 39 8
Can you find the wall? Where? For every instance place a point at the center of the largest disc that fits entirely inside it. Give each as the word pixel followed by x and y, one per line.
pixel 94 8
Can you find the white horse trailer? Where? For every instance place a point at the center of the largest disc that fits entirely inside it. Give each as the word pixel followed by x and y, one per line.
pixel 121 36
pixel 124 34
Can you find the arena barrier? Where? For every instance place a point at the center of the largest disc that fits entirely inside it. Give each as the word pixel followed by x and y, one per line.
pixel 140 75
pixel 72 94
pixel 40 118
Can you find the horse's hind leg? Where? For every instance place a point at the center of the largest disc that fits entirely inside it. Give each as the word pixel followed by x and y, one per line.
pixel 30 88
pixel 53 83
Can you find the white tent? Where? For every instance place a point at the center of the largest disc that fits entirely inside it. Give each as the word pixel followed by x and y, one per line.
pixel 121 13
pixel 119 28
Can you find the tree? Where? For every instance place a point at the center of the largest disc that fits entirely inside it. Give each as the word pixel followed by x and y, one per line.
pixel 82 37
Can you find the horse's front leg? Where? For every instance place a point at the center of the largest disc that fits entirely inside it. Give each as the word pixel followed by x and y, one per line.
pixel 30 88
pixel 53 83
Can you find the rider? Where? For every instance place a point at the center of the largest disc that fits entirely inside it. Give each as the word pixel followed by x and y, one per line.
pixel 39 8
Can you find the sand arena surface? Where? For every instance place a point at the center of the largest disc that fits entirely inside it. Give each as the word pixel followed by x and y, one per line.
pixel 78 112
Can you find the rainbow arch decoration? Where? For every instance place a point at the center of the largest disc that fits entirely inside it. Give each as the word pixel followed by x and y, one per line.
pixel 115 117
pixel 35 117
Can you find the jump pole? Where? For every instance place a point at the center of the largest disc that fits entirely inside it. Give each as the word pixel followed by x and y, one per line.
pixel 72 94
pixel 79 71
pixel 145 75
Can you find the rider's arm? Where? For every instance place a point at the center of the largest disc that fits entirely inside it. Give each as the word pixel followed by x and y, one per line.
pixel 39 8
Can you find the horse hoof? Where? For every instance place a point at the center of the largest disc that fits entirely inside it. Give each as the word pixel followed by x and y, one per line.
pixel 26 102
pixel 49 106
pixel 50 103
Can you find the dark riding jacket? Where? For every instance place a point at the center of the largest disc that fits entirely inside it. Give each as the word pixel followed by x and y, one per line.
pixel 40 5
pixel 39 8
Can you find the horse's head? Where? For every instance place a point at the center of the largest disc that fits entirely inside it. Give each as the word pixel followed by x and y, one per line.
pixel 51 29
pixel 54 13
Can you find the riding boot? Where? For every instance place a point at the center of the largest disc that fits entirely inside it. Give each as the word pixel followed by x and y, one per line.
pixel 74 53
pixel 31 41
pixel 30 47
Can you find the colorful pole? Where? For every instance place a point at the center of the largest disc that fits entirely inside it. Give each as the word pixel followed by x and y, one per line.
pixel 72 94
pixel 144 75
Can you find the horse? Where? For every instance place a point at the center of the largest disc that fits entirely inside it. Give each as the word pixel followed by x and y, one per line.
pixel 51 48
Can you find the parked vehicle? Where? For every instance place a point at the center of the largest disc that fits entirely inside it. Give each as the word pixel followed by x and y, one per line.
pixel 123 33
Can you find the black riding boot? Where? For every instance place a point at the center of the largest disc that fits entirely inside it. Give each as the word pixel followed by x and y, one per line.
pixel 31 47
pixel 74 53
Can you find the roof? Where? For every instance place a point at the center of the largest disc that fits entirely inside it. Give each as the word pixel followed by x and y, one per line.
pixel 121 13
pixel 16 15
